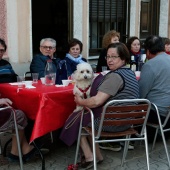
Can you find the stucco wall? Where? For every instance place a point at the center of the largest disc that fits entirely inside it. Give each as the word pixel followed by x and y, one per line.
pixel 19 34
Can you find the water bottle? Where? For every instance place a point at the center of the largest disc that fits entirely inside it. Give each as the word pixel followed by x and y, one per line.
pixel 50 74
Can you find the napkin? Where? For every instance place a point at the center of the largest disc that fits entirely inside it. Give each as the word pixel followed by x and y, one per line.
pixel 60 85
pixel 14 84
pixel 30 87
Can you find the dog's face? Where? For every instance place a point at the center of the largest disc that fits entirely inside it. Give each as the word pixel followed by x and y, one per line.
pixel 84 71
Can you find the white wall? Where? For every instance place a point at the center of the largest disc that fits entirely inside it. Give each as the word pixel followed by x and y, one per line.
pixel 163 22
pixel 19 35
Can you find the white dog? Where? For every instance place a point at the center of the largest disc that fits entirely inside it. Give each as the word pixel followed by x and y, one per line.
pixel 83 77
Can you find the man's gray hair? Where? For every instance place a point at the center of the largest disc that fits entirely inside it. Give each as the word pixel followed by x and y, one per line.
pixel 48 39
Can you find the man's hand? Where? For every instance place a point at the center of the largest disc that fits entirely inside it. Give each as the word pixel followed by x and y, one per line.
pixel 5 101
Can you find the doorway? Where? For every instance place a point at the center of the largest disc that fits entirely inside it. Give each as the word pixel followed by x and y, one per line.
pixel 149 22
pixel 50 20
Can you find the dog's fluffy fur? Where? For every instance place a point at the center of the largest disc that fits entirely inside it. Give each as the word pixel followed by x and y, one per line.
pixel 83 77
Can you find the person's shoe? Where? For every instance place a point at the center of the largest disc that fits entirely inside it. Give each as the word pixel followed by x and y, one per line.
pixel 13 158
pixel 130 147
pixel 110 146
pixel 29 155
pixel 87 165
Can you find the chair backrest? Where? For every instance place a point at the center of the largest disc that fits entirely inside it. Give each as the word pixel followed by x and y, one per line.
pixel 133 112
pixel 28 75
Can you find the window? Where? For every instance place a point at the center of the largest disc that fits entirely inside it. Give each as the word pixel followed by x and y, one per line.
pixel 106 15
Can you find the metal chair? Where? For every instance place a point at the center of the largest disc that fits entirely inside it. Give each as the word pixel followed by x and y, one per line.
pixel 161 127
pixel 133 112
pixel 28 75
pixel 16 132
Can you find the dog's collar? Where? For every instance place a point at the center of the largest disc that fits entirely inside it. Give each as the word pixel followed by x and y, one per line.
pixel 84 91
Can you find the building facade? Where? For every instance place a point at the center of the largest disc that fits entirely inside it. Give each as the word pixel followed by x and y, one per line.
pixel 25 23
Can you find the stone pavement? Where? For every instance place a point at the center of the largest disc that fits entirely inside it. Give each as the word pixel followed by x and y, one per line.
pixel 60 156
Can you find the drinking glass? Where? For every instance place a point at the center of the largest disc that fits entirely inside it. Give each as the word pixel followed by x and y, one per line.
pixel 20 80
pixel 137 73
pixel 35 77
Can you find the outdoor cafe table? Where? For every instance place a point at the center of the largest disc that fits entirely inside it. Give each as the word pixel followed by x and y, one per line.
pixel 48 106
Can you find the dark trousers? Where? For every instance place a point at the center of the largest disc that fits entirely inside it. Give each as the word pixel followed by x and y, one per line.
pixel 154 119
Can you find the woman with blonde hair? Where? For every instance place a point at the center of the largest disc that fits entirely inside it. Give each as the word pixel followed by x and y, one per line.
pixel 110 37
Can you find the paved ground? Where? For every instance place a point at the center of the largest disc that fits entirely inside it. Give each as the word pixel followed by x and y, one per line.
pixel 60 156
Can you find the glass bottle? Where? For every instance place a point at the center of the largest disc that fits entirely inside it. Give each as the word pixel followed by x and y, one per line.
pixel 133 63
pixel 50 74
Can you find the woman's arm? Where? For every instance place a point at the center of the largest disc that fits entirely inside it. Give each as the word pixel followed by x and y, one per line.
pixel 92 102
pixel 5 101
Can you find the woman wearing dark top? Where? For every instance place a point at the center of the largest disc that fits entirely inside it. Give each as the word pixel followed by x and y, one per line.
pixel 134 46
pixel 110 37
pixel 7 73
pixel 73 56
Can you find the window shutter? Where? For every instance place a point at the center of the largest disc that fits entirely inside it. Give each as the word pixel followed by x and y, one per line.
pixel 106 10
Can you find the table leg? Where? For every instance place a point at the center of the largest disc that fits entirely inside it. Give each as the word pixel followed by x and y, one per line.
pixel 42 156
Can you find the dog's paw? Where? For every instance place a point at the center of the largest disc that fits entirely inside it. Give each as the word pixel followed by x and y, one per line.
pixel 78 108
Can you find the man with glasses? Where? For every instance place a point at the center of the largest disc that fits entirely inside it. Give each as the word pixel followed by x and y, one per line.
pixel 7 73
pixel 38 64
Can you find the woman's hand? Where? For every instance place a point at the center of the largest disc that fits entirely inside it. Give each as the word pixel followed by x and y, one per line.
pixel 92 102
pixel 5 101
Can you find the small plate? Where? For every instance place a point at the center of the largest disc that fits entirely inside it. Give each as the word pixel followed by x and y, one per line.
pixel 59 85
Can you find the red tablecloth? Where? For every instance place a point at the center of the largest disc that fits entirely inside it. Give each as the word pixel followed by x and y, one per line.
pixel 49 106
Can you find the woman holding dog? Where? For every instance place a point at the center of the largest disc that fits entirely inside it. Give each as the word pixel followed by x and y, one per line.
pixel 73 56
pixel 119 83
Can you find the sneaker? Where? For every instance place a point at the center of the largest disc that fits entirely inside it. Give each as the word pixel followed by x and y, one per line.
pixel 110 146
pixel 130 147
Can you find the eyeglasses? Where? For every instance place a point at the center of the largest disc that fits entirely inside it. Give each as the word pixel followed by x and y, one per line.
pixel 111 57
pixel 2 50
pixel 47 47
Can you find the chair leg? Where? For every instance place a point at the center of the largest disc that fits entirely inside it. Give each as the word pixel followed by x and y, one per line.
pixel 156 133
pixel 77 149
pixel 165 145
pixel 94 147
pixel 78 140
pixel 0 147
pixel 146 148
pixel 42 156
pixel 125 150
pixel 51 134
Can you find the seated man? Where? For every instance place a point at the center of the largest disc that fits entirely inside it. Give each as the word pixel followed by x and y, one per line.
pixel 154 81
pixel 7 73
pixel 7 123
pixel 38 64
